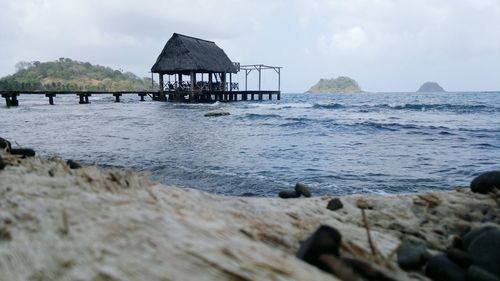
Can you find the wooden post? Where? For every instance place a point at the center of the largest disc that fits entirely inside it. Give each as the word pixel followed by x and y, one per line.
pixel 142 95
pixel 7 99
pixel 162 94
pixel 13 99
pixel 223 81
pixel 81 98
pixel 230 82
pixel 260 96
pixel 259 76
pixel 246 79
pixel 210 81
pixel 252 96
pixel 270 96
pixel 51 98
pixel 279 80
pixel 193 80
pixel 87 98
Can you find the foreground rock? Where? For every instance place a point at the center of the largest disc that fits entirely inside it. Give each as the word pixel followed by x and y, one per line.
pixel 90 224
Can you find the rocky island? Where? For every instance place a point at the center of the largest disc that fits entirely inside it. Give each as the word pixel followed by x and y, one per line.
pixel 341 84
pixel 61 221
pixel 429 87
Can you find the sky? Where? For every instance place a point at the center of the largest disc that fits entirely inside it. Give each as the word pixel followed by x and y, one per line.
pixel 385 45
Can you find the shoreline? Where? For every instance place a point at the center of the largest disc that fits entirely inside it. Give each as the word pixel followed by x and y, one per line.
pixel 59 223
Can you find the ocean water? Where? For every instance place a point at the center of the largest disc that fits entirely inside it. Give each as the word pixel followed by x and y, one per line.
pixel 335 143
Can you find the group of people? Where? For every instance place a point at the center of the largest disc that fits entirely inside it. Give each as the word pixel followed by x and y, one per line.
pixel 200 85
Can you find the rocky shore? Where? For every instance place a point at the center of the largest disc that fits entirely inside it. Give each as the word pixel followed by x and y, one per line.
pixel 60 221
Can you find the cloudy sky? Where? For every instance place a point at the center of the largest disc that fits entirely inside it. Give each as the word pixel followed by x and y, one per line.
pixel 386 45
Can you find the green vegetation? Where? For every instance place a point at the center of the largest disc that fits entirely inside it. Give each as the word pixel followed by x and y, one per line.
pixel 69 75
pixel 341 84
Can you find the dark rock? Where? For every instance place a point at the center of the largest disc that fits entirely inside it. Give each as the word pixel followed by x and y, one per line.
pixel 73 164
pixel 27 152
pixel 459 257
pixel 5 144
pixel 475 273
pixel 285 194
pixel 2 164
pixel 216 114
pixel 338 267
pixel 334 204
pixel 412 255
pixel 440 268
pixel 303 189
pixel 485 251
pixel 472 235
pixel 485 183
pixel 325 240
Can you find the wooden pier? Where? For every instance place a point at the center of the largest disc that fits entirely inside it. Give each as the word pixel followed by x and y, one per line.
pixel 11 97
pixel 209 78
pixel 83 97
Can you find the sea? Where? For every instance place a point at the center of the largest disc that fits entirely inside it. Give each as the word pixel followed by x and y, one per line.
pixel 337 144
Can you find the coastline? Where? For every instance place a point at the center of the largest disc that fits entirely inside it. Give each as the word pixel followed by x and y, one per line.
pixel 93 224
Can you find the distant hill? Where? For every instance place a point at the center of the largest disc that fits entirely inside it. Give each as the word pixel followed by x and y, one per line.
pixel 340 84
pixel 70 75
pixel 431 87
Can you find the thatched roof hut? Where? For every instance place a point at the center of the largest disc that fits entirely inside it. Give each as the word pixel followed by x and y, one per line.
pixel 184 55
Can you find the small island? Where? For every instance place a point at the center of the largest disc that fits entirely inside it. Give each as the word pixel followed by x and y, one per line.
pixel 70 75
pixel 429 87
pixel 341 84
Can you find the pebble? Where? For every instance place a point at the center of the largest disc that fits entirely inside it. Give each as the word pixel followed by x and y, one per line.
pixel 28 152
pixel 459 257
pixel 472 235
pixel 73 164
pixel 485 182
pixel 303 189
pixel 216 114
pixel 5 144
pixel 325 240
pixel 485 251
pixel 475 273
pixel 440 268
pixel 285 194
pixel 2 164
pixel 412 255
pixel 334 204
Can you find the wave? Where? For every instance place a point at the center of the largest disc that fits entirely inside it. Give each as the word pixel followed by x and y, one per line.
pixel 329 106
pixel 458 108
pixel 257 116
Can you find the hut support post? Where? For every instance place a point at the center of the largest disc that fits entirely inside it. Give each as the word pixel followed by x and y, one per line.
pixel 223 81
pixel 230 82
pixel 193 80
pixel 162 94
pixel 210 81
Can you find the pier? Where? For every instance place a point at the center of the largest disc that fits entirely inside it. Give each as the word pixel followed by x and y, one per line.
pixel 197 71
pixel 83 97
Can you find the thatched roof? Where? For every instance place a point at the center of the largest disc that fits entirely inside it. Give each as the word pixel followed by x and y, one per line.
pixel 183 54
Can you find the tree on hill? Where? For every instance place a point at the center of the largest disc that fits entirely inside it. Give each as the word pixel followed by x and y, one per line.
pixel 69 75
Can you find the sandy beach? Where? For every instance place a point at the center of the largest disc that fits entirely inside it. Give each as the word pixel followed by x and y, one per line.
pixel 92 224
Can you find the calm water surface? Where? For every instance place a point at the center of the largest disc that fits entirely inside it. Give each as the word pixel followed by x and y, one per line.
pixel 336 143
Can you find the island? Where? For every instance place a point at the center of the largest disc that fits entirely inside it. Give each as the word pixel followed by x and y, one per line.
pixel 341 84
pixel 430 87
pixel 66 74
